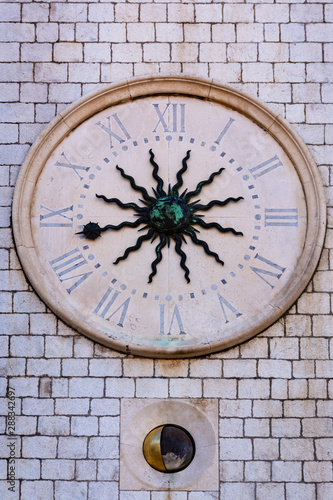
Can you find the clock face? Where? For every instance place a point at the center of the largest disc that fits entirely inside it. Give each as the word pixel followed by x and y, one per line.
pixel 167 225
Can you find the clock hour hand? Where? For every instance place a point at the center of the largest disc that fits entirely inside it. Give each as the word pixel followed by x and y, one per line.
pixel 92 230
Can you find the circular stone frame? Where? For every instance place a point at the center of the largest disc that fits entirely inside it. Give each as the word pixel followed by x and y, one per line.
pixel 203 89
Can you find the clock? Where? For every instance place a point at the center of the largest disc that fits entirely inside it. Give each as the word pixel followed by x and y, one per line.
pixel 169 216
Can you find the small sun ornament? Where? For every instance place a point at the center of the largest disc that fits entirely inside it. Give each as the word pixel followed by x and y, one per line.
pixel 166 215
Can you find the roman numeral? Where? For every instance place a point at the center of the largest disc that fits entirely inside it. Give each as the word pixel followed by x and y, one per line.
pixel 224 131
pixel 75 168
pixel 59 215
pixel 281 217
pixel 268 272
pixel 175 117
pixel 104 306
pixel 66 266
pixel 265 167
pixel 175 316
pixel 109 129
pixel 225 304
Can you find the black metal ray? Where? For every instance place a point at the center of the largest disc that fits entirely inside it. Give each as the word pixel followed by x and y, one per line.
pixel 182 256
pixel 201 184
pixel 180 173
pixel 157 178
pixel 121 204
pixel 142 190
pixel 202 243
pixel 183 193
pixel 138 244
pixel 216 225
pixel 158 250
pixel 218 203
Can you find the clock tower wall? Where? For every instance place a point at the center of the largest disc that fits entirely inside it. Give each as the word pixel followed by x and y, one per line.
pixel 260 410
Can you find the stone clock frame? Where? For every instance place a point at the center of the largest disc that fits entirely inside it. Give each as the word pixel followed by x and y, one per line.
pixel 254 110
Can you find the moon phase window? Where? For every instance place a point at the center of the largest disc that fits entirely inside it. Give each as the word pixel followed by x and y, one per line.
pixel 169 448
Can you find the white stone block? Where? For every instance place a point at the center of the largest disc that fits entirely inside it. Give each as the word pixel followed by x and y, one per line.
pixel 265 449
pixel 23 32
pixel 236 449
pixel 170 32
pixel 241 13
pixel 184 13
pixel 152 388
pixel 103 447
pixel 100 13
pixel 39 447
pixel 70 490
pixel 221 32
pixel 68 12
pixel 88 32
pixel 213 388
pixel 286 427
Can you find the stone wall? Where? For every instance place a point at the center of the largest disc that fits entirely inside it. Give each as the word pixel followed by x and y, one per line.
pixel 276 429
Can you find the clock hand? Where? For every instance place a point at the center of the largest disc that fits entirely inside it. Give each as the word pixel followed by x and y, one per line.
pixel 92 230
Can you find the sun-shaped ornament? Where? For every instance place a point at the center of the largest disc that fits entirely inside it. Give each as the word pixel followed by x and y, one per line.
pixel 166 215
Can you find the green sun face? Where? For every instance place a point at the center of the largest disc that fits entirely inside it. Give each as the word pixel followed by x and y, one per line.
pixel 169 214
pixel 166 215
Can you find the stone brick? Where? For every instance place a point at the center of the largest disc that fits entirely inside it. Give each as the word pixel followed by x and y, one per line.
pixel 143 32
pixel 318 471
pixel 319 32
pixel 22 344
pixel 152 388
pixel 314 348
pixel 269 13
pixel 230 491
pixel 13 323
pixel 319 72
pixel 237 14
pixel 97 52
pixel 58 347
pixel 101 13
pixel 36 52
pixel 219 388
pixel 242 52
pixel 19 32
pixel 126 52
pixel 237 408
pixel 195 32
pixel 287 471
pixel 287 72
pixel 88 32
pixel 300 491
pixel 235 449
pixel 314 303
pixel 86 470
pixel 108 470
pixel 257 427
pixel 51 72
pixel 121 387
pixel 279 389
pixel 138 367
pixel 28 468
pixel 324 369
pixel 72 447
pixel 272 32
pixel 103 447
pixel 299 408
pixel 273 491
pixel 185 13
pixel 128 13
pixel 274 368
pixel 84 426
pixel 68 12
pixel 298 389
pixel 53 426
pixel 222 32
pixel 257 471
pixel 39 447
pixel 85 387
pixel 100 489
pixel 109 426
pixel 168 32
pixel 35 12
pixel 58 469
pixel 265 449
pixel 292 32
pixel 100 367
pixel 71 52
pixel 38 490
pixel 253 388
pixel 184 52
pixel 154 13
pixel 9 52
pixel 75 367
pixel 306 52
pixel 255 72
pixel 70 490
pixel 71 406
pixel 286 427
